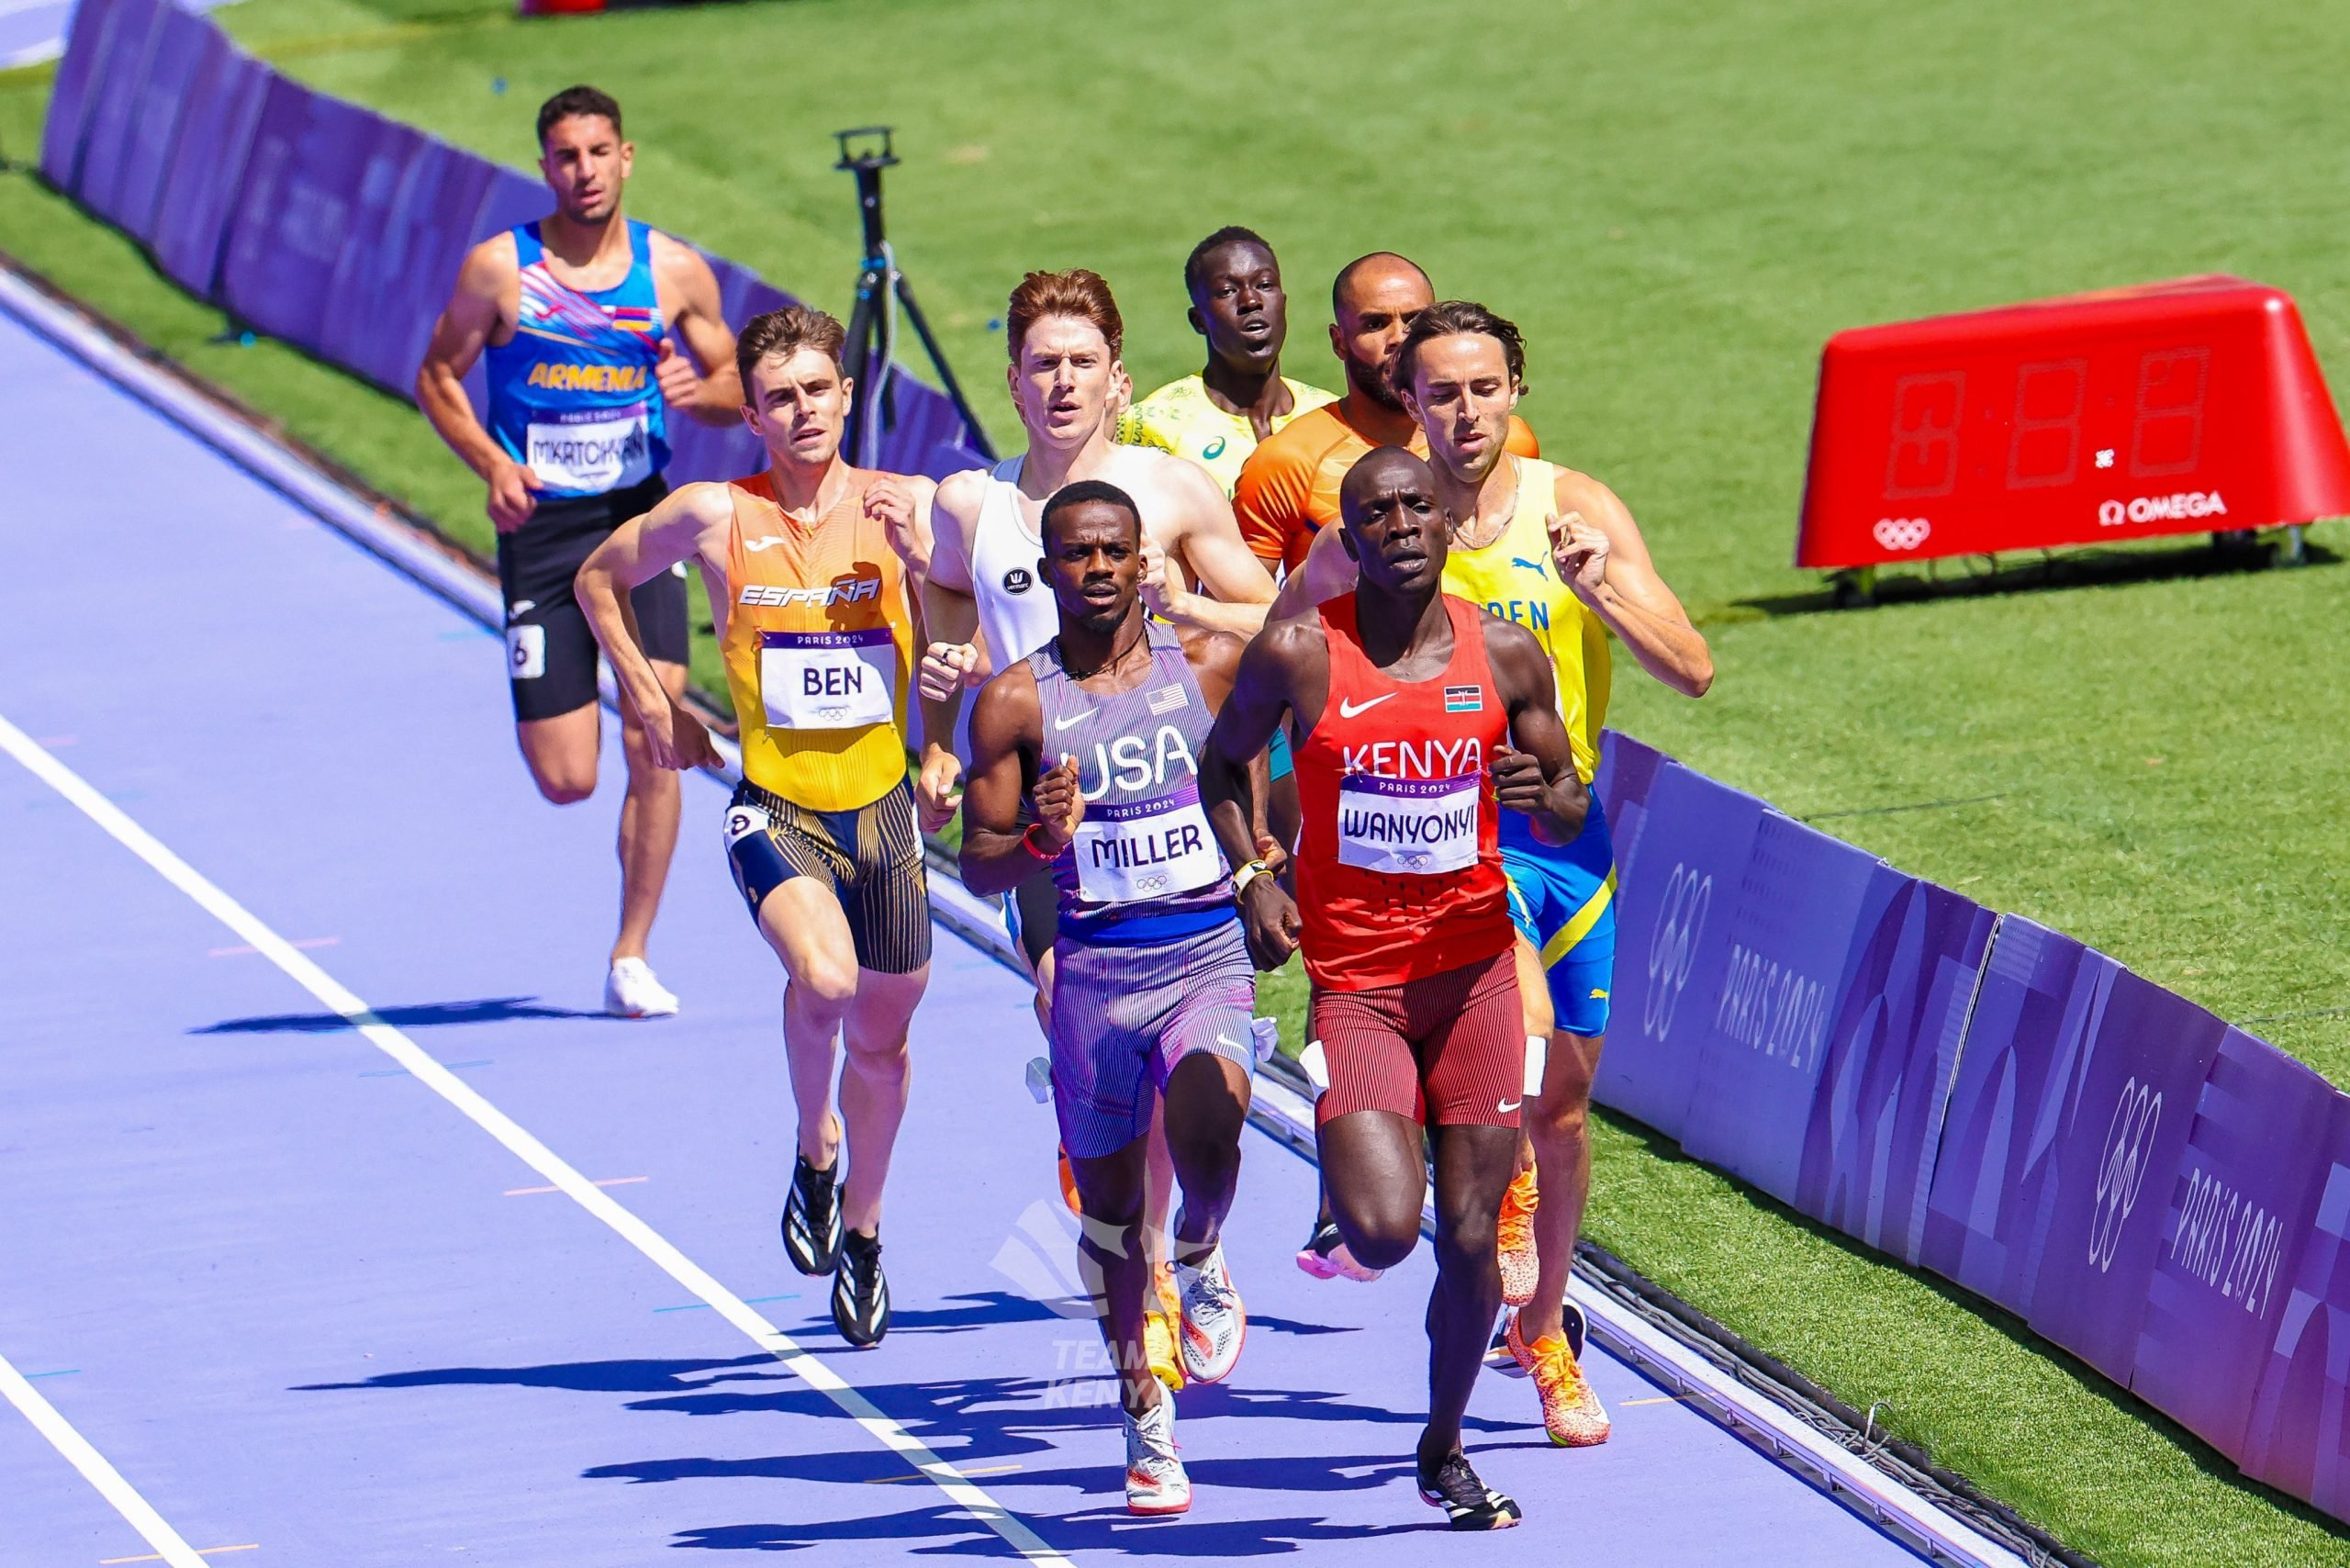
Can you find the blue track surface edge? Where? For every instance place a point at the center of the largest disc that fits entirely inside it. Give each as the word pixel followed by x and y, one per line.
pixel 1788 1441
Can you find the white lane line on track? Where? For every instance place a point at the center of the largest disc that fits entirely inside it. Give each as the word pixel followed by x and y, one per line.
pixel 101 1475
pixel 525 1146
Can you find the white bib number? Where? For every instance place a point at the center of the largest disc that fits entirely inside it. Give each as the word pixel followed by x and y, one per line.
pixel 591 451
pixel 1415 827
pixel 828 680
pixel 1147 849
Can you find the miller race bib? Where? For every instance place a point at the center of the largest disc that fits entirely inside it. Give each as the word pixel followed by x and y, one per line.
pixel 1146 849
pixel 1415 827
pixel 590 451
pixel 828 680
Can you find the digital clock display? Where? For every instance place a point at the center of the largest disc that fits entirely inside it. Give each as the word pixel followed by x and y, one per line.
pixel 2193 406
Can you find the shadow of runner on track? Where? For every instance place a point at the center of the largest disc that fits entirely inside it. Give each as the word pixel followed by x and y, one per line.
pixel 416 1015
pixel 584 1377
pixel 1088 1532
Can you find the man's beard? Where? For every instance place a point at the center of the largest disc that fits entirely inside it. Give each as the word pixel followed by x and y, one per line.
pixel 1373 382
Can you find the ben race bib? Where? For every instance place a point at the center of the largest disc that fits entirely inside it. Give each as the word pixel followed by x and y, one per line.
pixel 828 680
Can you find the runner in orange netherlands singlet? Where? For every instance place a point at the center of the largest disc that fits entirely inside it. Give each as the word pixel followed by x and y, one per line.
pixel 1416 718
pixel 817 629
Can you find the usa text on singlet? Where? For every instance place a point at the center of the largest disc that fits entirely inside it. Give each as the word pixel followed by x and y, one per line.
pixel 1399 867
pixel 817 645
pixel 1144 865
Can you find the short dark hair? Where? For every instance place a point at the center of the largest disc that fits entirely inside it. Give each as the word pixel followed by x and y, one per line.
pixel 785 332
pixel 1230 234
pixel 580 100
pixel 1346 272
pixel 1458 318
pixel 1069 497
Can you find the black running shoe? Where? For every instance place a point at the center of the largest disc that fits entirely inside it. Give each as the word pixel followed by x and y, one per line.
pixel 1577 1330
pixel 1468 1503
pixel 861 1292
pixel 1503 1360
pixel 811 1218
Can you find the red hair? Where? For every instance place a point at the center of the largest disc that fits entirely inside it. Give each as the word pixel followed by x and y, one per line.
pixel 1078 293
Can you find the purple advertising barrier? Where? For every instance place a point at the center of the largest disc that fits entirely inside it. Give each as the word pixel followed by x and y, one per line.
pixel 1673 912
pixel 301 191
pixel 2129 1101
pixel 113 99
pixel 182 42
pixel 408 276
pixel 1627 771
pixel 2240 1212
pixel 1763 1044
pixel 68 118
pixel 368 267
pixel 226 92
pixel 2298 1437
pixel 2040 994
pixel 1868 1159
pixel 511 198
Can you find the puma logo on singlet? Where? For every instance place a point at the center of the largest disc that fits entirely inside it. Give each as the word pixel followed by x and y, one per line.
pixel 1534 567
pixel 1347 710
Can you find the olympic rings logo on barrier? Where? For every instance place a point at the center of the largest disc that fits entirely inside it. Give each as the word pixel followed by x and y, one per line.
pixel 1673 946
pixel 1902 533
pixel 2121 1170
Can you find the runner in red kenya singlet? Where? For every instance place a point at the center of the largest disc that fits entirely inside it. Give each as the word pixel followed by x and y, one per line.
pixel 1416 718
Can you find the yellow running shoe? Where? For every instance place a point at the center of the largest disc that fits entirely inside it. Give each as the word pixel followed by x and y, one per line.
pixel 1159 1348
pixel 1571 1411
pixel 1514 1240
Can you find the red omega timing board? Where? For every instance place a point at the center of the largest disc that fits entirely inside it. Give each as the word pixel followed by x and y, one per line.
pixel 2188 407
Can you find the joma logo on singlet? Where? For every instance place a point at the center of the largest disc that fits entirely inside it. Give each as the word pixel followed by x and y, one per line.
pixel 587 377
pixel 848 592
pixel 1140 762
pixel 1415 759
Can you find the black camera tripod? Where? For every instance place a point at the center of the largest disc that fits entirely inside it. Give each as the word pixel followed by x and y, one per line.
pixel 881 293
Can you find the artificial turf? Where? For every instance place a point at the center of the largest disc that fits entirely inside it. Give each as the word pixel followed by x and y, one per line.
pixel 1679 202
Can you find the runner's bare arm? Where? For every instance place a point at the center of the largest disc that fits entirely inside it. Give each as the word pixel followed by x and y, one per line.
pixel 951 657
pixel 1286 669
pixel 689 522
pixel 901 503
pixel 1007 734
pixel 1601 555
pixel 1215 658
pixel 475 312
pixel 1200 546
pixel 1327 572
pixel 703 383
pixel 1534 771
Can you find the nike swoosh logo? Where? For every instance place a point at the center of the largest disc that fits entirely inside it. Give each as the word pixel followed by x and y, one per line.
pixel 1074 719
pixel 1349 709
pixel 520 607
pixel 1226 1041
pixel 1508 1105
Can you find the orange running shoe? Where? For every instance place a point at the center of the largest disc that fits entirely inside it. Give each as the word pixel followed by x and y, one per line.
pixel 1514 1239
pixel 1069 1185
pixel 1571 1411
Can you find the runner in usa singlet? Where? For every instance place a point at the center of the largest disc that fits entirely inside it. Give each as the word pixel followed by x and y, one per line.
pixel 1399 869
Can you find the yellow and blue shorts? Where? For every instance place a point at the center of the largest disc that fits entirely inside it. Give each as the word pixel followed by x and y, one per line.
pixel 1563 899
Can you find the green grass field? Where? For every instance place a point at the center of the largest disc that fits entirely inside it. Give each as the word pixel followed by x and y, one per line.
pixel 1679 201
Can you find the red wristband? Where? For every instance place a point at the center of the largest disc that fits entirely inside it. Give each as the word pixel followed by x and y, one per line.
pixel 1028 842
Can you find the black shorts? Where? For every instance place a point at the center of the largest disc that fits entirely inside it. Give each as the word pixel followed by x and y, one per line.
pixel 550 652
pixel 869 857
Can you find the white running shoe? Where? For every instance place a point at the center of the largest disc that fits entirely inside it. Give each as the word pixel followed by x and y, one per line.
pixel 1215 1322
pixel 630 991
pixel 1155 1480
